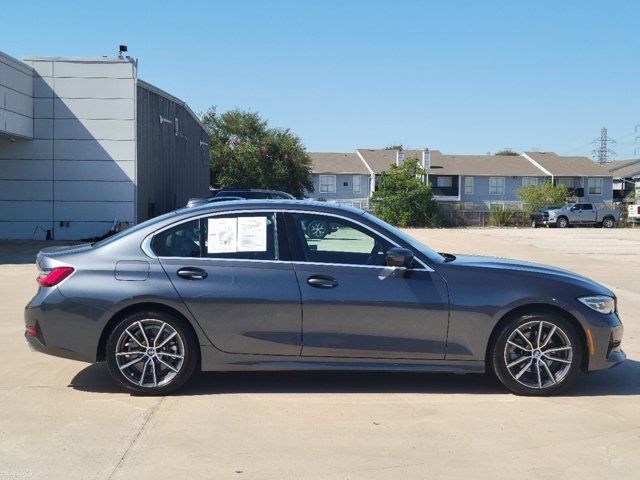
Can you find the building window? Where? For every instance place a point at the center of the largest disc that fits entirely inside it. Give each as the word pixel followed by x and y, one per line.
pixel 468 185
pixel 357 184
pixel 444 182
pixel 176 127
pixel 496 185
pixel 570 182
pixel 595 186
pixel 526 181
pixel 327 184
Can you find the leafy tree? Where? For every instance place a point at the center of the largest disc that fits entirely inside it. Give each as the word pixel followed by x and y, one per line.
pixel 544 194
pixel 402 198
pixel 508 152
pixel 246 152
pixel 394 147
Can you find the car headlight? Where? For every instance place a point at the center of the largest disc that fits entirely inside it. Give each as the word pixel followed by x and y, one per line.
pixel 552 214
pixel 600 303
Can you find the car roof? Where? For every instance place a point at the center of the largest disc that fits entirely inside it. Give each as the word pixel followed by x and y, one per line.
pixel 232 205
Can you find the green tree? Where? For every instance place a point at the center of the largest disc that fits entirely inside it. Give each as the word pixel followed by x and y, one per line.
pixel 507 152
pixel 544 194
pixel 402 199
pixel 246 152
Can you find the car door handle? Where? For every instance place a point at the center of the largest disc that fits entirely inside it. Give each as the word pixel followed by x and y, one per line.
pixel 192 273
pixel 322 281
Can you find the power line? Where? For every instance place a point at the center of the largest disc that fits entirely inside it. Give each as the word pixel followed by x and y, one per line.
pixel 602 152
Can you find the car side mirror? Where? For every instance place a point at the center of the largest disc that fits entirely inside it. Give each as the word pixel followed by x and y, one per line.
pixel 572 209
pixel 400 257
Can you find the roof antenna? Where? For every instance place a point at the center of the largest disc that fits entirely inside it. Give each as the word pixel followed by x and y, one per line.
pixel 122 49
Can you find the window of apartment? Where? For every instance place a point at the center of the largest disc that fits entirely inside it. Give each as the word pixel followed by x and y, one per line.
pixel 595 186
pixel 445 182
pixel 570 182
pixel 327 184
pixel 468 185
pixel 526 181
pixel 176 127
pixel 357 184
pixel 496 185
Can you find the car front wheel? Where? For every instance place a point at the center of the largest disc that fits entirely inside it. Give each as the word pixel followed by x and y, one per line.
pixel 562 222
pixel 317 229
pixel 151 353
pixel 536 354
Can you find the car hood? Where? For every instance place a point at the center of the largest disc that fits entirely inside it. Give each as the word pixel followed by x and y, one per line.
pixel 528 268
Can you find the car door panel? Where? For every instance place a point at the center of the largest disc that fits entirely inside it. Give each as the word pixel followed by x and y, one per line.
pixel 355 306
pixel 373 312
pixel 245 301
pixel 243 306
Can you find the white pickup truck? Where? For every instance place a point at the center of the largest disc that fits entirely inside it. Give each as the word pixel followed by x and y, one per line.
pixel 634 213
pixel 581 214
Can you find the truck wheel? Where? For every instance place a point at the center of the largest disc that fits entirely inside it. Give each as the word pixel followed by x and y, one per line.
pixel 608 222
pixel 562 222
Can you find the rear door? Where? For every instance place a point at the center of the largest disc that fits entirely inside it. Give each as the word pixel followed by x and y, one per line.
pixel 234 273
pixel 588 213
pixel 355 306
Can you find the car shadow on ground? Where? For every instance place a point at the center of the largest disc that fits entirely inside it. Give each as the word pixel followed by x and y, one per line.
pixel 622 380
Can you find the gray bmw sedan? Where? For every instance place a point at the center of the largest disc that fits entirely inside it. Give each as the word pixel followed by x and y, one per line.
pixel 244 285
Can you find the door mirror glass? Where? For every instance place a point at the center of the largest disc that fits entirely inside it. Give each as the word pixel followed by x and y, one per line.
pixel 399 257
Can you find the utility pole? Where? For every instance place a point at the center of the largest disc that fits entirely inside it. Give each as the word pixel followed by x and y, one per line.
pixel 602 152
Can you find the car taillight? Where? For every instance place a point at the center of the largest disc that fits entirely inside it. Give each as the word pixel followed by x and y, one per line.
pixel 51 278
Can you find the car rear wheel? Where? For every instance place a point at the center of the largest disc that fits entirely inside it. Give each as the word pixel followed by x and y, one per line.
pixel 608 222
pixel 536 354
pixel 562 222
pixel 151 353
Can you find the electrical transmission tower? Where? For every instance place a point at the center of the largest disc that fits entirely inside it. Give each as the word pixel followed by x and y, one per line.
pixel 602 152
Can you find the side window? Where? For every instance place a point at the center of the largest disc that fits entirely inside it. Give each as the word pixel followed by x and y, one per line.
pixel 246 236
pixel 587 206
pixel 183 240
pixel 327 239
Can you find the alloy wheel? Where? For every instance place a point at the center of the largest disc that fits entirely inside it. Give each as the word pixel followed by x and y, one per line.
pixel 317 229
pixel 608 223
pixel 538 354
pixel 150 353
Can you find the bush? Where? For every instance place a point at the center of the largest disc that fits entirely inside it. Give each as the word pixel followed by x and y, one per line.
pixel 403 199
pixel 502 216
pixel 545 194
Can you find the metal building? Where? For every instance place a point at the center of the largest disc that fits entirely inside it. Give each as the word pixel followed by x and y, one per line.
pixel 84 142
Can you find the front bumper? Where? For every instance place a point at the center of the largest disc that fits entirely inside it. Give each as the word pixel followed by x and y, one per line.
pixel 604 341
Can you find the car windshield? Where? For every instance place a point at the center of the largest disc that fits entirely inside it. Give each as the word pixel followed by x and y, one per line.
pixel 133 229
pixel 422 248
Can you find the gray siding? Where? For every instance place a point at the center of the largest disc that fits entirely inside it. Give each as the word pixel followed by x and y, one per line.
pixel 80 166
pixel 171 168
pixel 16 98
pixel 342 192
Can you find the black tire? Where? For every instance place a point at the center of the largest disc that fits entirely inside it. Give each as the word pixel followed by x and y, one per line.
pixel 152 321
pixel 555 376
pixel 317 229
pixel 608 222
pixel 562 222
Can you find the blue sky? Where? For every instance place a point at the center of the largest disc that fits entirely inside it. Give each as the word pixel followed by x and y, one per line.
pixel 458 76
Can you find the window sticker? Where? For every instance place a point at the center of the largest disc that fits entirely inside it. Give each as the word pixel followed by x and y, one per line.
pixel 222 235
pixel 252 234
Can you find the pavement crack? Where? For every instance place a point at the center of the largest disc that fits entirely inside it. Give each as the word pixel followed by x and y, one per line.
pixel 134 440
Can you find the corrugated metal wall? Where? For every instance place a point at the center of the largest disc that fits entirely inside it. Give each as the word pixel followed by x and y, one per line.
pixel 171 167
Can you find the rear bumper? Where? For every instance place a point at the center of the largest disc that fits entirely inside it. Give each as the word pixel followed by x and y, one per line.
pixel 64 328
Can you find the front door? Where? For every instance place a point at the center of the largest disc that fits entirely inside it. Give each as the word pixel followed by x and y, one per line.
pixel 355 306
pixel 233 278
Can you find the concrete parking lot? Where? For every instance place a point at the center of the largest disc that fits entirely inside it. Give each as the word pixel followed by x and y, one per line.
pixel 67 420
